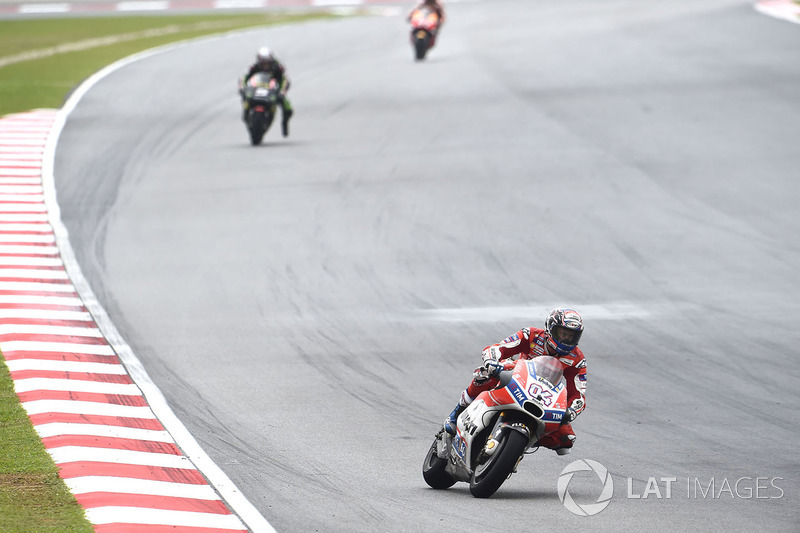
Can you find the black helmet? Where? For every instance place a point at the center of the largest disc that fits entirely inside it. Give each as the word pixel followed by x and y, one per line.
pixel 564 326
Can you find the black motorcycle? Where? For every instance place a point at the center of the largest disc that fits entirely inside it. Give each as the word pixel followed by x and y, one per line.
pixel 261 97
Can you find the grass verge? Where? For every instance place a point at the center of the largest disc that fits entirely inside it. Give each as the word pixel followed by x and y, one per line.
pixel 32 496
pixel 42 60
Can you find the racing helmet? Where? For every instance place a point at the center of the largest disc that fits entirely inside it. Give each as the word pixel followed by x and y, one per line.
pixel 265 55
pixel 564 327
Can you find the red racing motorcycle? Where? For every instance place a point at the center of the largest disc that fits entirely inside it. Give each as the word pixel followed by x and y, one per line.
pixel 499 427
pixel 424 26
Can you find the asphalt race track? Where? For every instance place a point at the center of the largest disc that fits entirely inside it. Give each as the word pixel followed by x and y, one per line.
pixel 312 307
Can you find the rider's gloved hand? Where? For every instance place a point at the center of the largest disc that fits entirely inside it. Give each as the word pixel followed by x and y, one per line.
pixel 492 367
pixel 570 415
pixel 573 410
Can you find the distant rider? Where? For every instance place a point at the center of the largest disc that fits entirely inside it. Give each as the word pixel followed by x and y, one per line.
pixel 267 62
pixel 563 329
pixel 437 8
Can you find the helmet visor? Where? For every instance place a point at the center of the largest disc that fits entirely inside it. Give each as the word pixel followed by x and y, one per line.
pixel 566 336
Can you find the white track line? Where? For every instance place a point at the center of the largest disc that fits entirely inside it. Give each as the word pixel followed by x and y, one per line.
pixel 98 430
pixel 41 314
pixel 73 454
pixel 39 300
pixel 35 286
pixel 87 484
pixel 590 311
pixel 36 407
pixel 139 515
pixel 36 329
pixel 56 365
pixel 76 385
pixel 62 347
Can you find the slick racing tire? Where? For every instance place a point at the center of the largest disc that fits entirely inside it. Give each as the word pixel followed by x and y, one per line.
pixel 490 474
pixel 256 134
pixel 257 124
pixel 433 470
pixel 420 48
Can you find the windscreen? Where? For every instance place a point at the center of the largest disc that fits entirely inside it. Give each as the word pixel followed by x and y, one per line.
pixel 549 369
pixel 259 79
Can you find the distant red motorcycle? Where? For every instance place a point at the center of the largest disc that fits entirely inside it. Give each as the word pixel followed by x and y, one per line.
pixel 424 26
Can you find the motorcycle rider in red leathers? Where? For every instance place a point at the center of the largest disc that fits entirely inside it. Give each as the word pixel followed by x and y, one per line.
pixel 437 8
pixel 563 329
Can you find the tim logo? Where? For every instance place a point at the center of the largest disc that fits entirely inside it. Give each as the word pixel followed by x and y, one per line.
pixel 517 392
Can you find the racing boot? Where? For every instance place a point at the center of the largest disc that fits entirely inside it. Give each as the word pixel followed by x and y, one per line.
pixel 560 441
pixel 450 422
pixel 287 114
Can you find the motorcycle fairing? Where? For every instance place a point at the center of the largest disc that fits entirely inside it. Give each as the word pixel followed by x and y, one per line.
pixel 424 18
pixel 493 408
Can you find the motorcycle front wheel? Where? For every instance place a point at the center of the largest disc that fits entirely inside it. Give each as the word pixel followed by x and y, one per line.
pixel 491 473
pixel 256 127
pixel 256 135
pixel 433 469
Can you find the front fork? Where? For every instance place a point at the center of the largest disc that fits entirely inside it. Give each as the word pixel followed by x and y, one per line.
pixel 443 444
pixel 493 442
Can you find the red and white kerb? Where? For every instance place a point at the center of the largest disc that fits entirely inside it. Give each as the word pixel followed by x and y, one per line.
pixel 121 464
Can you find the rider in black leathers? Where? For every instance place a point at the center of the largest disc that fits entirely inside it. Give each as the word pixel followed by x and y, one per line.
pixel 267 62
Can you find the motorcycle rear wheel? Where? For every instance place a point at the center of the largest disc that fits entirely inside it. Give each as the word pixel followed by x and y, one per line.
pixel 433 470
pixel 492 473
pixel 420 48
